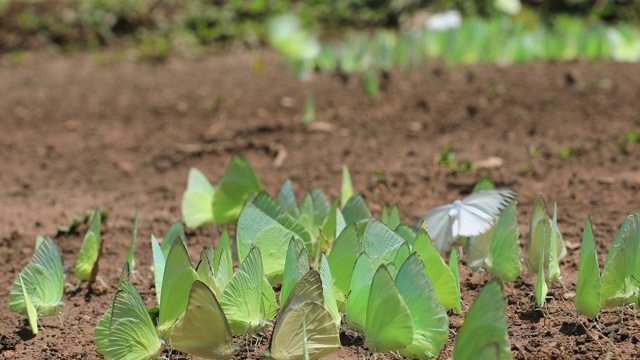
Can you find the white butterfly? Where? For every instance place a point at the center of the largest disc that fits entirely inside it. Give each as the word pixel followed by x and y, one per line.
pixel 470 216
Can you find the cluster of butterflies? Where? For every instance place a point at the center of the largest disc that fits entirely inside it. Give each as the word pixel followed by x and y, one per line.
pixel 374 280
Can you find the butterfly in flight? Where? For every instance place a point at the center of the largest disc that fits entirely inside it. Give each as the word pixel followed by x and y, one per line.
pixel 470 216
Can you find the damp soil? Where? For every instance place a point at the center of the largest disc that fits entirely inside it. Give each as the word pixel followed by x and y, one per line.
pixel 75 134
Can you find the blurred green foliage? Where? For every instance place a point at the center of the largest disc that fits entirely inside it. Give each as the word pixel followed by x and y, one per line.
pixel 163 26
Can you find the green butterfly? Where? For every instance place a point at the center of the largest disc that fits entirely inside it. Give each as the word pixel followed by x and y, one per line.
pixel 540 218
pixel 305 328
pixel 289 38
pixel 453 266
pixel 429 318
pixel 130 333
pixel 203 204
pixel 197 200
pixel 101 332
pixel 390 218
pixel 89 255
pixel 341 260
pixel 296 265
pixel 620 286
pixel 355 211
pixel 132 245
pixel 381 243
pixel 388 326
pixel 443 280
pixel 358 294
pixel 39 287
pixel 178 275
pixel 503 258
pixel 541 288
pixel 247 310
pixel 588 287
pixel 346 189
pixel 202 330
pixel 484 332
pixel 266 224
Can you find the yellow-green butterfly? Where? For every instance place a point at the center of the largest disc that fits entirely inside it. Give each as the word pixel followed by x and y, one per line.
pixel 132 335
pixel 540 218
pixel 202 330
pixel 484 332
pixel 389 326
pixel 588 287
pixel 503 259
pixel 203 204
pixel 443 280
pixel 305 328
pixel 177 278
pixel 620 286
pixel 89 255
pixel 242 299
pixel 430 321
pixel 39 287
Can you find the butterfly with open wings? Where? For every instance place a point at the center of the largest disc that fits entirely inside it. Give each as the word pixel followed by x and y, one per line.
pixel 470 216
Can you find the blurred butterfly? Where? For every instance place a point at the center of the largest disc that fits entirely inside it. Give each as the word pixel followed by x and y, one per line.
pixel 470 216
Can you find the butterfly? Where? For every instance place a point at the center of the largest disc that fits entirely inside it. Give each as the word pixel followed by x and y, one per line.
pixel 470 216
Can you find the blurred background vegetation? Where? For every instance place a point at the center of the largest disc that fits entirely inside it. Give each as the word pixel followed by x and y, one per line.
pixel 189 26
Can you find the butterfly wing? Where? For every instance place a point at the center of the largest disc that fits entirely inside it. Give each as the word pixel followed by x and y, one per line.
pixel 197 201
pixel 132 334
pixel 241 298
pixel 203 329
pixel 479 210
pixel 389 324
pixel 43 278
pixel 307 327
pixel 484 330
pixel 439 226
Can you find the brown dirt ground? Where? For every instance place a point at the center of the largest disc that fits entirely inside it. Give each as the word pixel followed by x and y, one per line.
pixel 75 135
